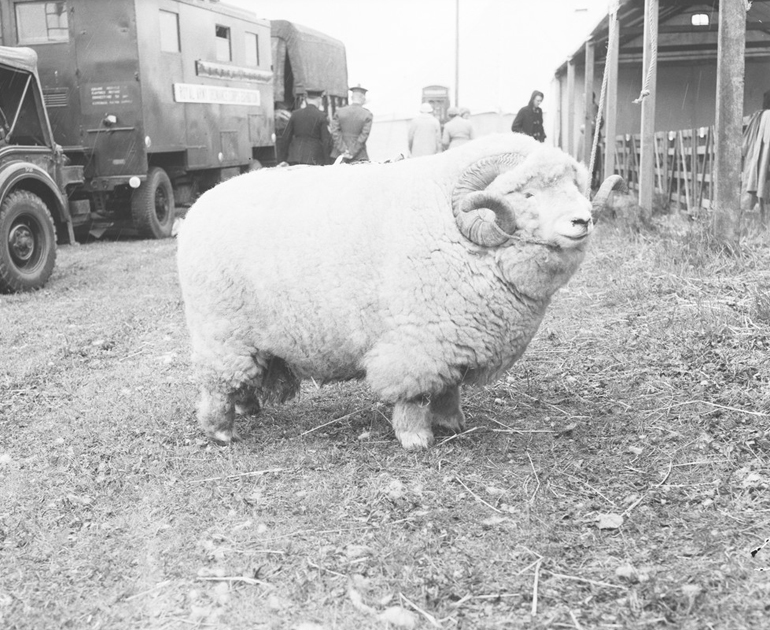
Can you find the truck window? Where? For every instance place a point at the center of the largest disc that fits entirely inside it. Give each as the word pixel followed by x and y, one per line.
pixel 42 22
pixel 252 49
pixel 224 51
pixel 169 31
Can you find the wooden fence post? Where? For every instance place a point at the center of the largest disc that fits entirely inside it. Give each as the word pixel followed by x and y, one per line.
pixel 610 128
pixel 571 106
pixel 590 114
pixel 649 75
pixel 726 217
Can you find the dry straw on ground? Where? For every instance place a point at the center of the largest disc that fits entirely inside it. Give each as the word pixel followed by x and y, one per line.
pixel 616 478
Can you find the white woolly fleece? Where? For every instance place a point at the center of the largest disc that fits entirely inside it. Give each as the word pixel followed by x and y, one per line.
pixel 349 270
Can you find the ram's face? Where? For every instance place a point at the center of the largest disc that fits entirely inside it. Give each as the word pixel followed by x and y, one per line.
pixel 539 197
pixel 549 207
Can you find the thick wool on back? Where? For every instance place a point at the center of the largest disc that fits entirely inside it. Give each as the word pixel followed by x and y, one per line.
pixel 343 271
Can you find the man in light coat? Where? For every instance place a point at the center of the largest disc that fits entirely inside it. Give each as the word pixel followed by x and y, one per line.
pixel 425 133
pixel 350 128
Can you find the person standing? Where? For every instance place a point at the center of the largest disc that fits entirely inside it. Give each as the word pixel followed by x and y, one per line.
pixel 529 120
pixel 424 133
pixel 306 138
pixel 350 128
pixel 756 158
pixel 457 130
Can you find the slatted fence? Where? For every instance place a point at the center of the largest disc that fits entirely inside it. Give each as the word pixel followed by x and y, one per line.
pixel 684 166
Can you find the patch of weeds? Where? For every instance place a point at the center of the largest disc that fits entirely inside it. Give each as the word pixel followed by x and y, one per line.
pixel 760 306
pixel 624 214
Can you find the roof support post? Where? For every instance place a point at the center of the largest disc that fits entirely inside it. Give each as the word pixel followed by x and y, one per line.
pixel 611 98
pixel 726 219
pixel 590 114
pixel 650 74
pixel 571 106
pixel 558 132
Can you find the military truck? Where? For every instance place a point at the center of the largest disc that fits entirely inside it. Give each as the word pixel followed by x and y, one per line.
pixel 36 178
pixel 151 102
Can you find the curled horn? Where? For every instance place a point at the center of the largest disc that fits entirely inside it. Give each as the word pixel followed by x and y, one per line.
pixel 468 197
pixel 614 183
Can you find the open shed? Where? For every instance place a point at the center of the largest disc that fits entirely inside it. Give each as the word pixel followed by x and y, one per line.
pixel 682 44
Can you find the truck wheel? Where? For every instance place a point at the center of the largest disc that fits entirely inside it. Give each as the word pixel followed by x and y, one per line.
pixel 27 243
pixel 152 205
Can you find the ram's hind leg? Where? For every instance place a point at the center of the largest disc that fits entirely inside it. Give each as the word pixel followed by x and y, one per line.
pixel 247 402
pixel 411 422
pixel 445 411
pixel 216 412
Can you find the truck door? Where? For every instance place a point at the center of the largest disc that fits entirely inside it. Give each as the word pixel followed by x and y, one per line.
pixel 107 67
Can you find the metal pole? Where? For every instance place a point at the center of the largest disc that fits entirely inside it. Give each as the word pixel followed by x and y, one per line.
pixel 457 53
pixel 731 64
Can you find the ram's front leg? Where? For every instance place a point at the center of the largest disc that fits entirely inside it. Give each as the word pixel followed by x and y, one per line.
pixel 412 424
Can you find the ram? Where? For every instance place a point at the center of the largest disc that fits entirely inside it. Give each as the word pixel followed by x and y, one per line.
pixel 419 276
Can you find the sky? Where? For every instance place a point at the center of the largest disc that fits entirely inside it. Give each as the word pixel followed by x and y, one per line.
pixel 508 48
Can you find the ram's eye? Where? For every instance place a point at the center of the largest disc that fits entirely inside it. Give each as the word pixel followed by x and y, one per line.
pixel 528 195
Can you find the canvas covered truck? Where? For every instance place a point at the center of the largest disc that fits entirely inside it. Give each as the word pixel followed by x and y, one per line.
pixel 150 102
pixel 303 59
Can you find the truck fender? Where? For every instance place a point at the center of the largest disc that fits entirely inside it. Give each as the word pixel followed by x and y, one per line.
pixel 44 186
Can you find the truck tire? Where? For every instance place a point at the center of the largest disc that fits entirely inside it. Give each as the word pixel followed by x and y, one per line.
pixel 152 205
pixel 27 243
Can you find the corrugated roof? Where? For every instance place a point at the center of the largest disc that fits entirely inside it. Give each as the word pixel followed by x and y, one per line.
pixel 678 39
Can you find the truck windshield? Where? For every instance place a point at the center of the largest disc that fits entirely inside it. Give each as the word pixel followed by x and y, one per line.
pixel 19 118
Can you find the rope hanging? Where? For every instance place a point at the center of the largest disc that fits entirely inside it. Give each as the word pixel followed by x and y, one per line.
pixel 653 57
pixel 613 9
pixel 598 122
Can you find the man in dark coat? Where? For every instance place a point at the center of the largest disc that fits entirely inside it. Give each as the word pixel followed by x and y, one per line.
pixel 306 139
pixel 351 127
pixel 529 120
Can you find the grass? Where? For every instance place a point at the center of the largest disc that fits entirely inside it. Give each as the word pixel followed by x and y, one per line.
pixel 616 478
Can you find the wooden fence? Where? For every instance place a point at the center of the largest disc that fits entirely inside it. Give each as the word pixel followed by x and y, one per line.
pixel 684 166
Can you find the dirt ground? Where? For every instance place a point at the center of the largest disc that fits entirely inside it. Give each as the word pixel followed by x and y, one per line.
pixel 616 478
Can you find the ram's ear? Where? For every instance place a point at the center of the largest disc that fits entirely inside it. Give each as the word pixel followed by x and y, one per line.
pixel 480 230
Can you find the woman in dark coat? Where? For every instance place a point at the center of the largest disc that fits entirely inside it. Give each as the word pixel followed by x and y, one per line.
pixel 529 120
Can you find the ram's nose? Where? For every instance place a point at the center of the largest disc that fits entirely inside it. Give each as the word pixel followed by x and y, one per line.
pixel 585 224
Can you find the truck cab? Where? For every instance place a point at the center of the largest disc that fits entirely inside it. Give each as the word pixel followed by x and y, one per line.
pixel 35 177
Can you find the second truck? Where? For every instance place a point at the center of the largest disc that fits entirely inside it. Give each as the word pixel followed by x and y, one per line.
pixel 145 104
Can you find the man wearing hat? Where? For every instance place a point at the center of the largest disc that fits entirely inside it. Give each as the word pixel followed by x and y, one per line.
pixel 306 139
pixel 351 127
